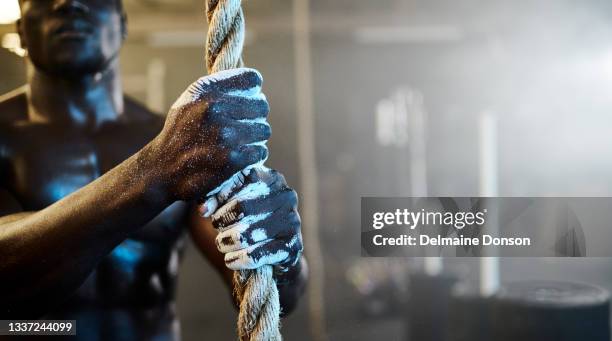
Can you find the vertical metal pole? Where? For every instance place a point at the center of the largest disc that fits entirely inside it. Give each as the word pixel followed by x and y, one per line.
pixel 156 80
pixel 489 263
pixel 417 116
pixel 306 144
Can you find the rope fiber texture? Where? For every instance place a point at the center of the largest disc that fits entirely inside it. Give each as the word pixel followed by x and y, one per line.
pixel 259 317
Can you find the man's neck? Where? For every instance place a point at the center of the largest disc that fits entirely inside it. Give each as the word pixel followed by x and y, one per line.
pixel 87 101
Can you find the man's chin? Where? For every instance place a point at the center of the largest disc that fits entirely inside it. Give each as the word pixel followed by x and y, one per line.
pixel 74 69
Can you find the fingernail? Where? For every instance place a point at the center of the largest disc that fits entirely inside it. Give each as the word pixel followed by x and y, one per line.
pixel 202 210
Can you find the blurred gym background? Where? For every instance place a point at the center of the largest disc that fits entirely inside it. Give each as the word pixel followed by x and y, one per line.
pixel 390 98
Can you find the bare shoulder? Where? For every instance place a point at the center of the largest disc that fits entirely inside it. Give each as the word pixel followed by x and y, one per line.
pixel 13 106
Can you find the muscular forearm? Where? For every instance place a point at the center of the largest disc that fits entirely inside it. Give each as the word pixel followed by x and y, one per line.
pixel 207 136
pixel 46 255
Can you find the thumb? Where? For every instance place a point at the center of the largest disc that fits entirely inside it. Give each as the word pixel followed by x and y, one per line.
pixel 228 189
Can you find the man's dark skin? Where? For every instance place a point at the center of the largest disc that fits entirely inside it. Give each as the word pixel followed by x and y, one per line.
pixel 97 193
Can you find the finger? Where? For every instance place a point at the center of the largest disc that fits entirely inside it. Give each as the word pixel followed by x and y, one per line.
pixel 234 238
pixel 281 224
pixel 246 133
pixel 273 179
pixel 249 155
pixel 256 178
pixel 295 246
pixel 269 176
pixel 246 157
pixel 254 109
pixel 251 200
pixel 242 82
pixel 263 253
pixel 219 195
pixel 209 207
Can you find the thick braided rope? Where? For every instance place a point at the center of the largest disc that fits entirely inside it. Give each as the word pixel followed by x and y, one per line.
pixel 259 317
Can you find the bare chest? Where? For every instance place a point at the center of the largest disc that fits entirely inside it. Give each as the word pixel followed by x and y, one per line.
pixel 43 166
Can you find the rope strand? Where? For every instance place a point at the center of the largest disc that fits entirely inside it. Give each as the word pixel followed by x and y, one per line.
pixel 225 38
pixel 259 317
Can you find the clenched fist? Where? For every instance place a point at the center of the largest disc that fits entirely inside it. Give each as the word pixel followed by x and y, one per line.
pixel 216 128
pixel 259 223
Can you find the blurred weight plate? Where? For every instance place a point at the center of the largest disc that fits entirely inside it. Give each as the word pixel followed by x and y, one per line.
pixel 551 311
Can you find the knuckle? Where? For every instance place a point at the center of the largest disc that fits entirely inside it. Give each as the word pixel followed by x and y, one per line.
pixel 299 246
pixel 234 156
pixel 293 195
pixel 295 200
pixel 264 108
pixel 296 221
pixel 212 107
pixel 218 242
pixel 240 208
pixel 253 77
pixel 215 107
pixel 242 240
pixel 227 134
pixel 281 178
pixel 217 218
pixel 257 153
pixel 266 130
pixel 273 179
pixel 255 175
pixel 289 196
